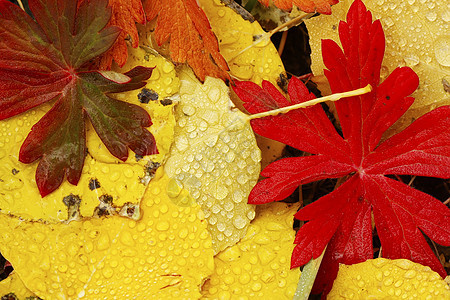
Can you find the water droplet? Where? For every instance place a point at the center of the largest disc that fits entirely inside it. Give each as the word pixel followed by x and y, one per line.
pixel 442 50
pixel 128 173
pixel 446 15
pixel 167 67
pixel 103 242
pixel 431 16
pixel 221 226
pixel 183 233
pixel 244 278
pixel 162 225
pixel 411 60
pixel 239 222
pixel 242 179
pixel 108 272
pixel 410 274
pixel 164 208
pixel 127 239
pixel 173 189
pixel 261 239
pixel 388 22
pixel 188 110
pixel 379 276
pixel 228 206
pixel 62 268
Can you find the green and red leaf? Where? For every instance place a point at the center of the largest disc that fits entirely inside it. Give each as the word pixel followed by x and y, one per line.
pixel 46 61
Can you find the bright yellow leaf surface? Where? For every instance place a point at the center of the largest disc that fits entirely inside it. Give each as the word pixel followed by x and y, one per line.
pixel 258 267
pixel 14 285
pixel 417 35
pixel 103 175
pixel 388 279
pixel 166 254
pixel 250 56
pixel 246 59
pixel 215 157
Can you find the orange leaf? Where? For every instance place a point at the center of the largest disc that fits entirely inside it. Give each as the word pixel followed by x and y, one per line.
pixel 190 34
pixel 125 14
pixel 320 6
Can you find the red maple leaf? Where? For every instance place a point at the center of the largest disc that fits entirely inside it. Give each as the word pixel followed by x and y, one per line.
pixel 342 219
pixel 45 61
pixel 191 39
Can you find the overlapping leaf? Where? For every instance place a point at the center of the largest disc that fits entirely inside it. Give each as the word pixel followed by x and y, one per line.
pixel 320 6
pixel 191 37
pixel 44 61
pixel 342 219
pixel 125 14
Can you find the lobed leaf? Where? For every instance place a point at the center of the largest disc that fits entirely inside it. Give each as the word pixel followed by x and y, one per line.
pixel 399 212
pixel 191 39
pixel 125 15
pixel 45 60
pixel 308 129
pixel 320 6
pixel 342 219
pixel 421 149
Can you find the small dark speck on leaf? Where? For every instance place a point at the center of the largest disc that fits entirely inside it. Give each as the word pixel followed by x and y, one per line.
pixel 282 82
pixel 166 102
pixel 257 37
pixel 151 167
pixel 10 296
pixel 130 211
pixel 388 97
pixel 94 184
pixel 72 200
pixel 138 157
pixel 15 171
pixel 106 199
pixel 146 95
pixel 446 85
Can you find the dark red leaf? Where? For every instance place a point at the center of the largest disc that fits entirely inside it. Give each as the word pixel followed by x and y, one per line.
pixel 45 60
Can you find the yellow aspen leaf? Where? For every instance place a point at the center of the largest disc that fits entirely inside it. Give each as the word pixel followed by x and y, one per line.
pixel 214 157
pixel 103 174
pixel 245 46
pixel 250 55
pixel 258 267
pixel 191 39
pixel 14 285
pixel 416 36
pixel 383 278
pixel 166 253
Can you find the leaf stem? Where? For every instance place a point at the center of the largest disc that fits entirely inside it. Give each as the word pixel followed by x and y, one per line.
pixel 267 36
pixel 295 21
pixel 282 42
pixel 21 4
pixel 308 277
pixel 333 97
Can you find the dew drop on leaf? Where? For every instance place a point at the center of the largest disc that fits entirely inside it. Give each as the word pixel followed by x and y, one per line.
pixel 442 50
